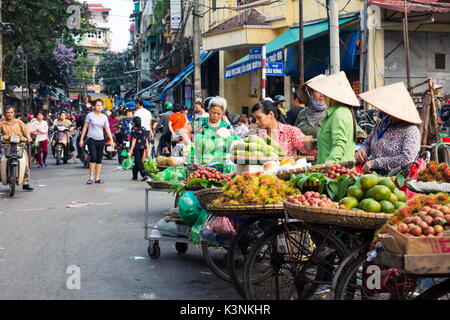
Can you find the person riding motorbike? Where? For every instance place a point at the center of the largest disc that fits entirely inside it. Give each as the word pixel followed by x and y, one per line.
pixel 62 120
pixel 15 127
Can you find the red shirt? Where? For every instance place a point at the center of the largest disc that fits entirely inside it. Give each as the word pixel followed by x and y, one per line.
pixel 290 139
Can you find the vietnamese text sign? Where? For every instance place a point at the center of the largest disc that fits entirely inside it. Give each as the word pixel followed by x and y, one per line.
pixel 275 69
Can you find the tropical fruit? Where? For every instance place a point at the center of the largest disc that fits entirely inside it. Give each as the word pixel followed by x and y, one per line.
pixel 257 147
pixel 362 203
pixel 371 206
pixel 388 183
pixel 400 195
pixel 386 206
pixel 355 192
pixel 393 199
pixel 379 193
pixel 399 204
pixel 368 181
pixel 349 202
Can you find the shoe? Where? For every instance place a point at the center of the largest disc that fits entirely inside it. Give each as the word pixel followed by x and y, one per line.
pixel 90 181
pixel 134 179
pixel 100 181
pixel 45 164
pixel 39 166
pixel 27 187
pixel 146 178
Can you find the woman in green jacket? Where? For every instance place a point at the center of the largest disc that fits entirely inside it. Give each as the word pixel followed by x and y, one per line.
pixel 336 139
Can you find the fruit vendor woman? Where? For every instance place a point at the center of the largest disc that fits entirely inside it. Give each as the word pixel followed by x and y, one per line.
pixel 214 122
pixel 336 139
pixel 270 123
pixel 395 140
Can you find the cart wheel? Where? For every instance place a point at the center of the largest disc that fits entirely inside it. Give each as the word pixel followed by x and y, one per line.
pixel 153 250
pixel 181 247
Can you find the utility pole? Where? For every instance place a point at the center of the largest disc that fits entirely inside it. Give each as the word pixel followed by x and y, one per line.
pixel 196 51
pixel 1 63
pixel 406 45
pixel 335 59
pixel 301 48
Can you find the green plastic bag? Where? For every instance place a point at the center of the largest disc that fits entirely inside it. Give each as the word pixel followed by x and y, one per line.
pixel 128 163
pixel 190 209
pixel 194 235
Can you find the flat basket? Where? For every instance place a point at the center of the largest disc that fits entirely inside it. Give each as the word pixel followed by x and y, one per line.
pixel 246 210
pixel 158 184
pixel 337 217
pixel 207 196
pixel 322 168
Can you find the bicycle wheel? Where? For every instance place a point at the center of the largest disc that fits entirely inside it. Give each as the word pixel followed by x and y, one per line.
pixel 248 234
pixel 357 282
pixel 292 262
pixel 440 291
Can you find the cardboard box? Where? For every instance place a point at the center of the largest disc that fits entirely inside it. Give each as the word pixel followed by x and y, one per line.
pixel 415 245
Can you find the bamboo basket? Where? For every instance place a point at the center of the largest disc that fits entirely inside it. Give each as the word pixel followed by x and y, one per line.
pixel 207 196
pixel 158 184
pixel 246 210
pixel 337 217
pixel 322 168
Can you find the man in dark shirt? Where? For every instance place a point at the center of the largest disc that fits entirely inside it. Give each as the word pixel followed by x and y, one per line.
pixel 296 106
pixel 163 125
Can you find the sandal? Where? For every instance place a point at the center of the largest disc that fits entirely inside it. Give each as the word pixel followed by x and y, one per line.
pixel 90 181
pixel 100 181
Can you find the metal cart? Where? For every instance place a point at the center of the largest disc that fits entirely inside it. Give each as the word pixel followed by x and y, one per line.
pixel 153 234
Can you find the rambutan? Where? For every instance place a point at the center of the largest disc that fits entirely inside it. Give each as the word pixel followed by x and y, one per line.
pixel 442 198
pixel 431 164
pixel 443 166
pixel 413 203
pixel 447 173
pixel 429 202
pixel 438 176
pixel 404 212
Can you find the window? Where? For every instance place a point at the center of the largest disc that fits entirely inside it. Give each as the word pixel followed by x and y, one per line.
pixel 213 5
pixel 439 61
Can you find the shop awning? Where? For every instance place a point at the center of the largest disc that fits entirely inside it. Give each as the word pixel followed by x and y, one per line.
pixel 179 78
pixel 413 6
pixel 154 85
pixel 287 39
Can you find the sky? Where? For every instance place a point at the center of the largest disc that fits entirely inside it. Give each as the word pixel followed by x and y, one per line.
pixel 119 20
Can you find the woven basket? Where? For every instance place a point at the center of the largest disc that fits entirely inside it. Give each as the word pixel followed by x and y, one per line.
pixel 322 168
pixel 246 210
pixel 207 196
pixel 427 187
pixel 337 217
pixel 158 184
pixel 193 187
pixel 162 168
pixel 262 160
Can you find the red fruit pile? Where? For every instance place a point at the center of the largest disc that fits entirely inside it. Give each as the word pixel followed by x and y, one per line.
pixel 339 170
pixel 439 172
pixel 209 174
pixel 313 199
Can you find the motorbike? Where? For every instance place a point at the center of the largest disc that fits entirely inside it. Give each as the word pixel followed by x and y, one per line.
pixel 13 161
pixel 110 152
pixel 60 144
pixel 85 157
pixel 177 145
pixel 125 145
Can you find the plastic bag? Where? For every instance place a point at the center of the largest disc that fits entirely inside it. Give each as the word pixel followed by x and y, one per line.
pixel 190 209
pixel 166 228
pixel 222 226
pixel 196 229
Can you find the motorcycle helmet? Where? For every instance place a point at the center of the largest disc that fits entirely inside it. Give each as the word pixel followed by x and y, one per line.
pixel 168 106
pixel 206 103
pixel 30 116
pixel 279 98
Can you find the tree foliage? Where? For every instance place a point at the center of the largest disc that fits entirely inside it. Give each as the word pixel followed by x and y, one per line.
pixel 41 36
pixel 111 71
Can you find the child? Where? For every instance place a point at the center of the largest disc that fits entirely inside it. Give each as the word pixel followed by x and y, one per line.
pixel 139 142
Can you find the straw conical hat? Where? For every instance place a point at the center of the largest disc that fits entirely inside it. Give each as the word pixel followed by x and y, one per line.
pixel 394 100
pixel 335 87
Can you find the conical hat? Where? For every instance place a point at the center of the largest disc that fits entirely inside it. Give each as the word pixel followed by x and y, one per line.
pixel 394 100
pixel 336 87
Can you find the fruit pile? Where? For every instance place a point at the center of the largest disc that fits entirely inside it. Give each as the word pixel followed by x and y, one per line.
pixel 150 165
pixel 254 146
pixel 208 174
pixel 339 170
pixel 374 195
pixel 423 216
pixel 166 161
pixel 256 188
pixel 439 172
pixel 313 199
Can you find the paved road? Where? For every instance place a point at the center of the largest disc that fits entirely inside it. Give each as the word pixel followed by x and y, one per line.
pixel 37 246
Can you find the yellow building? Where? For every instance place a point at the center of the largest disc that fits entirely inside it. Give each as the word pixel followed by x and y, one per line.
pixel 251 24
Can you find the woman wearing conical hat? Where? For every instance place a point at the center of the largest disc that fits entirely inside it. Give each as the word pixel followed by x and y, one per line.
pixel 395 140
pixel 337 136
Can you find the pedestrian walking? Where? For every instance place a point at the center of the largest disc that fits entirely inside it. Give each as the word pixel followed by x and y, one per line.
pixel 146 120
pixel 41 140
pixel 139 143
pixel 95 123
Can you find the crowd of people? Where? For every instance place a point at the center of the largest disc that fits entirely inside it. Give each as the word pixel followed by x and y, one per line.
pixel 323 108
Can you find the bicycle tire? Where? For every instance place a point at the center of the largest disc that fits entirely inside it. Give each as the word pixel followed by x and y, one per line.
pixel 303 287
pixel 436 292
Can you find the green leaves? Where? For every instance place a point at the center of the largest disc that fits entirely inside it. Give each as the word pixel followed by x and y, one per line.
pixel 335 188
pixel 204 183
pixel 400 180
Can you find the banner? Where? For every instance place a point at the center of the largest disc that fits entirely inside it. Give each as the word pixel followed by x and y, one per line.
pixel 275 56
pixel 175 14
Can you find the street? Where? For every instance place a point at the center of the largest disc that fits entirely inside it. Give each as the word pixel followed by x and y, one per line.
pixel 38 243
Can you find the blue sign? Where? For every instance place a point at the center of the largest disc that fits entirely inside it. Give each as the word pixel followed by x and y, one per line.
pixel 255 54
pixel 275 69
pixel 243 68
pixel 275 56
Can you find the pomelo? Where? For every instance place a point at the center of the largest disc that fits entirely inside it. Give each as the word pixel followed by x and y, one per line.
pixel 369 181
pixel 349 202
pixel 379 193
pixel 387 207
pixel 355 192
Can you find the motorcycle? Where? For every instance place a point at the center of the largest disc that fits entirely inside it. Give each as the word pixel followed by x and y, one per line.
pixel 124 146
pixel 13 161
pixel 177 145
pixel 85 157
pixel 110 152
pixel 60 144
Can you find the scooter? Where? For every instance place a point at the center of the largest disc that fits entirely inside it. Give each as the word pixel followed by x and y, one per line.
pixel 13 162
pixel 110 151
pixel 85 157
pixel 60 144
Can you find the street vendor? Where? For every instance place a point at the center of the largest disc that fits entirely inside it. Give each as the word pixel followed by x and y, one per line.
pixel 336 139
pixel 395 140
pixel 271 123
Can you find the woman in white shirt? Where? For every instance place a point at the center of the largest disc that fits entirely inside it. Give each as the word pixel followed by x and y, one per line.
pixel 41 139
